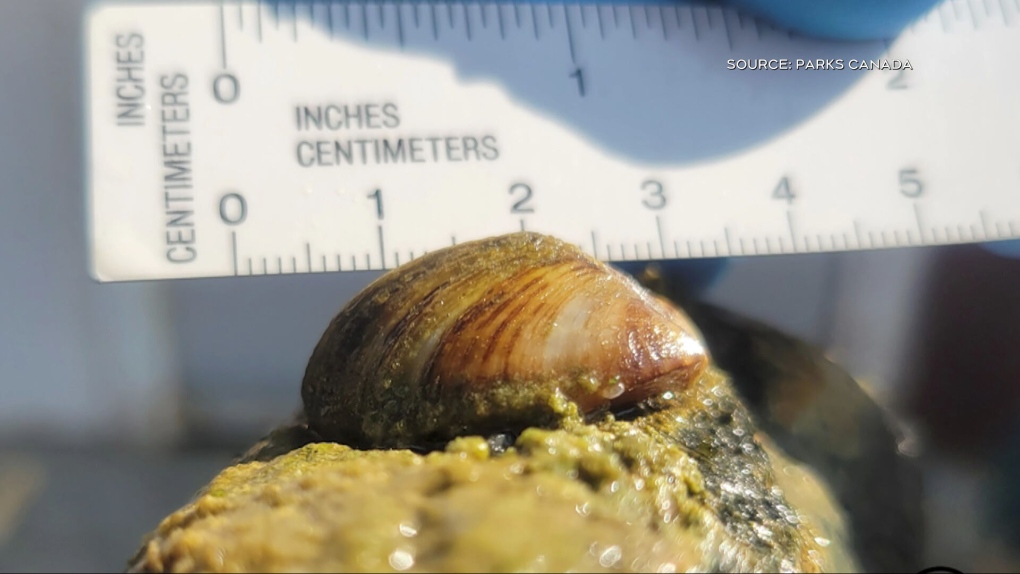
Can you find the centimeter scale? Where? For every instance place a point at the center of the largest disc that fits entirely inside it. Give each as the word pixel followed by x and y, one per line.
pixel 250 138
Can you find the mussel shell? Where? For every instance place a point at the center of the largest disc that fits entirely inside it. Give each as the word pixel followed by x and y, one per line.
pixel 493 335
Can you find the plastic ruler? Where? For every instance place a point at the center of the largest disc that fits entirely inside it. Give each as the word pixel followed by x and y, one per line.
pixel 251 138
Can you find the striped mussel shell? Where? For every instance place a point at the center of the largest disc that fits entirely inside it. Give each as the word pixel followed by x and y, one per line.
pixel 492 336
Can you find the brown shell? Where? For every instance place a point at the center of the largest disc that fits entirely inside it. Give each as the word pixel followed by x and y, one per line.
pixel 492 336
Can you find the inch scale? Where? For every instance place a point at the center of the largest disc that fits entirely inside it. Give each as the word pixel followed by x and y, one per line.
pixel 252 138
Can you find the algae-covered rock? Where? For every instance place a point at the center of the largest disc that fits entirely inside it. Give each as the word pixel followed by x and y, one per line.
pixel 672 490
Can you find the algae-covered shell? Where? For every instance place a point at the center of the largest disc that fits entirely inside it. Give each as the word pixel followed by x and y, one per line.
pixel 490 336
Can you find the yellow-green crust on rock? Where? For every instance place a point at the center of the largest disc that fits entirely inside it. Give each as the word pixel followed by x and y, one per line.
pixel 686 487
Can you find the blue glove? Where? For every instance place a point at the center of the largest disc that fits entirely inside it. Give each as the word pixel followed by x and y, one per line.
pixel 839 19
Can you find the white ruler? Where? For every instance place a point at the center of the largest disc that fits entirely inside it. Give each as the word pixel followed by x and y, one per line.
pixel 294 137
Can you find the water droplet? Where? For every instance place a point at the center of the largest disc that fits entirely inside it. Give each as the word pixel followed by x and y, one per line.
pixel 610 556
pixel 613 391
pixel 408 530
pixel 401 560
pixel 823 542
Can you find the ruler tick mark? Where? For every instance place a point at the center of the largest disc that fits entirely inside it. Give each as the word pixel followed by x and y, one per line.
pixel 467 21
pixel 1012 228
pixel 726 26
pixel 308 255
pixel 329 19
pixel 485 22
pixel 517 15
pixel 368 261
pixel 648 16
pixel 522 224
pixel 233 249
pixel 339 265
pixel 499 18
pixel 364 19
pixel 417 22
pixel 382 249
pixel 396 258
pixel 984 223
pixel 570 35
pixel 708 17
pixel 633 22
pixel 435 22
pixel 293 20
pixel 973 15
pixel 694 24
pixel 354 262
pixel 598 16
pixel 223 37
pixel 453 240
pixel 729 241
pixel 584 19
pixel 250 272
pixel 449 15
pixel 324 264
pixel 1005 12
pixel 662 22
pixel 690 248
pixel 956 9
pixel 594 245
pixel 258 21
pixel 549 15
pixel 754 242
pixel 240 16
pixel 857 231
pixel 534 20
pixel 920 224
pixel 400 26
pixel 676 16
pixel 793 235
pixel 662 238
